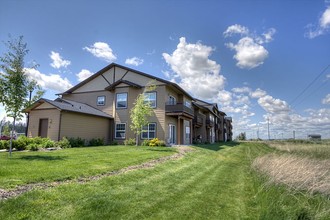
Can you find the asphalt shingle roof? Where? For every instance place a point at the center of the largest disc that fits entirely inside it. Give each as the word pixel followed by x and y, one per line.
pixel 72 106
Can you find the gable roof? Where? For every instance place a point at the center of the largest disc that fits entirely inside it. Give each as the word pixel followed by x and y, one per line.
pixel 114 65
pixel 113 85
pixel 209 106
pixel 72 106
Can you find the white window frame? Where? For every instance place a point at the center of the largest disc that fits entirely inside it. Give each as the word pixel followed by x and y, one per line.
pixel 116 130
pixel 123 93
pixel 148 131
pixel 187 103
pixel 100 103
pixel 171 100
pixel 153 103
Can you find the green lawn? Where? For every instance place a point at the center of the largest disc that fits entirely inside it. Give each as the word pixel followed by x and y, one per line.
pixel 213 182
pixel 31 167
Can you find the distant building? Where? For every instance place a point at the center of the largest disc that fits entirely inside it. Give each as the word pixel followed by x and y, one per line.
pixel 314 137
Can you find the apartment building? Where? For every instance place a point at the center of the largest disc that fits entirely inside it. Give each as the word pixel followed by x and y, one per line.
pixel 99 107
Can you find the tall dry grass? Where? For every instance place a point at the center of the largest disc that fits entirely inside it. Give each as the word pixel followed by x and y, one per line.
pixel 317 150
pixel 300 166
pixel 296 172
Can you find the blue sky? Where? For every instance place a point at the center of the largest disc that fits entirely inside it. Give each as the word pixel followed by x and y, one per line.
pixel 253 58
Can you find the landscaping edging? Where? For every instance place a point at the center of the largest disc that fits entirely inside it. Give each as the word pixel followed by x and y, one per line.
pixel 6 194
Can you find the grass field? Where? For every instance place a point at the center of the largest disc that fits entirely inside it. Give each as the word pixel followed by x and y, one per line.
pixel 31 167
pixel 213 182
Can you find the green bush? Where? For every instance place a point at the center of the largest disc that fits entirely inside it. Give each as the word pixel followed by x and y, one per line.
pixel 77 142
pixel 130 141
pixel 47 143
pixel 145 143
pixel 19 145
pixel 114 143
pixel 34 146
pixel 96 142
pixel 4 144
pixel 64 143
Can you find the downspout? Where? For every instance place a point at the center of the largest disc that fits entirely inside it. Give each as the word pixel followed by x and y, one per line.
pixel 59 127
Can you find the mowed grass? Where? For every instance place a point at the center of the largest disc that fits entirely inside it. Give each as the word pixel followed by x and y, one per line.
pixel 212 182
pixel 35 167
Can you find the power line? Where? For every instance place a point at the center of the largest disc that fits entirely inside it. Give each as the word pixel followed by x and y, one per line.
pixel 310 84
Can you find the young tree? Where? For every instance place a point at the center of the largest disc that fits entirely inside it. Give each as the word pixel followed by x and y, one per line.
pixel 140 112
pixel 15 85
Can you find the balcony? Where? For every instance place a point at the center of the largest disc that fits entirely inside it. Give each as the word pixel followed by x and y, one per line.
pixel 198 120
pixel 178 109
pixel 209 123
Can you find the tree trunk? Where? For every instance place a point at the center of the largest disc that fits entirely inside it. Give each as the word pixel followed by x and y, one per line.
pixel 137 140
pixel 11 137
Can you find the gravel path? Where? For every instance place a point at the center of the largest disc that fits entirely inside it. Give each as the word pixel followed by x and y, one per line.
pixel 6 194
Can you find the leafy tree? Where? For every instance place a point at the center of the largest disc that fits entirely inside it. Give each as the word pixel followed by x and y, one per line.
pixel 242 136
pixel 15 85
pixel 140 112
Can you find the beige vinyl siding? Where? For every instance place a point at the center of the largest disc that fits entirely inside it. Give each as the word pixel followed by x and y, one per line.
pixel 53 116
pixel 99 83
pixel 139 79
pixel 90 98
pixel 109 75
pixel 84 126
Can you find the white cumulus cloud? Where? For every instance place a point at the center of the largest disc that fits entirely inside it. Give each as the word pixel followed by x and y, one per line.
pixel 322 27
pixel 236 29
pixel 250 51
pixel 197 73
pixel 272 105
pixel 58 61
pixel 101 50
pixel 326 100
pixel 135 61
pixel 52 81
pixel 83 74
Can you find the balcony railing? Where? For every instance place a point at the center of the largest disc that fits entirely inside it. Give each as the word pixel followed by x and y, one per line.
pixel 198 120
pixel 178 108
pixel 209 123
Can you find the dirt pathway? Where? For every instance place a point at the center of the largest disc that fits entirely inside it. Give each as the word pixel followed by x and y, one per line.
pixel 6 194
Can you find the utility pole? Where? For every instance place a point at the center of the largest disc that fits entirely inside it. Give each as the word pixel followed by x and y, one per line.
pixel 268 128
pixel 294 135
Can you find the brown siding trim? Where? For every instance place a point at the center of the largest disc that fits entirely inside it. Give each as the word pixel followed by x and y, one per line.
pixel 105 79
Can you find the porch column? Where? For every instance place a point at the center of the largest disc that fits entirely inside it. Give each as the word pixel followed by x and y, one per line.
pixel 179 130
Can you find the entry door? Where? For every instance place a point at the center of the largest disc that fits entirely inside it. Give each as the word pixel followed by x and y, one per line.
pixel 172 132
pixel 43 128
pixel 187 135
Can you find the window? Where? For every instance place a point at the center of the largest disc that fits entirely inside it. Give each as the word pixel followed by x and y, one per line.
pixel 100 100
pixel 120 131
pixel 171 100
pixel 187 103
pixel 121 101
pixel 149 131
pixel 151 97
pixel 211 118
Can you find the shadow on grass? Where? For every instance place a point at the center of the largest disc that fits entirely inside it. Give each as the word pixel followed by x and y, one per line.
pixel 217 146
pixel 42 157
pixel 165 149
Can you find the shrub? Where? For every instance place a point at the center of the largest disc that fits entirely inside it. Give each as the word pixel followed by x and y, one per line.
pixel 4 144
pixel 96 142
pixel 47 143
pixel 156 142
pixel 34 147
pixel 64 143
pixel 145 143
pixel 77 142
pixel 130 141
pixel 19 145
pixel 114 143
